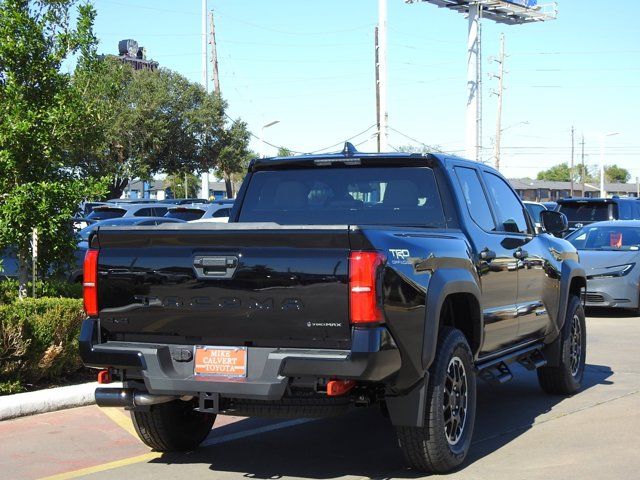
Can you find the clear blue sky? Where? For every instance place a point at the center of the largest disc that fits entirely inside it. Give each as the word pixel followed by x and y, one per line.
pixel 310 65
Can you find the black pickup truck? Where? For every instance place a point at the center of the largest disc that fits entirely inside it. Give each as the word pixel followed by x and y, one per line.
pixel 342 281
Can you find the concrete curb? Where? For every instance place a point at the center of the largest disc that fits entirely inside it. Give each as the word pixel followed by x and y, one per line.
pixel 49 400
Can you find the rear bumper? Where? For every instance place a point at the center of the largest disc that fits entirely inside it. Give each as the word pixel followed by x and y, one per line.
pixel 269 369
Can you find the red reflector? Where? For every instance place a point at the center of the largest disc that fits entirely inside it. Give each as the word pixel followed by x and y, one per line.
pixel 363 302
pixel 104 376
pixel 90 283
pixel 336 388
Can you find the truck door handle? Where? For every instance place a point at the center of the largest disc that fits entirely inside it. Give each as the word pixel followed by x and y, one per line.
pixel 218 267
pixel 487 255
pixel 521 254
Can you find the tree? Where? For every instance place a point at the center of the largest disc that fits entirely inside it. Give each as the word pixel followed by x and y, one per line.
pixel 557 173
pixel 284 152
pixel 234 154
pixel 419 149
pixel 41 114
pixel 587 175
pixel 616 174
pixel 176 182
pixel 146 122
pixel 562 173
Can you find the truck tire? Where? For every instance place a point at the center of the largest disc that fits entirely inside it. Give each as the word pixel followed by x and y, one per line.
pixel 450 408
pixel 172 426
pixel 566 378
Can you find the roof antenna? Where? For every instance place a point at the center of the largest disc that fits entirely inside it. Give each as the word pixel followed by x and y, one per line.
pixel 349 150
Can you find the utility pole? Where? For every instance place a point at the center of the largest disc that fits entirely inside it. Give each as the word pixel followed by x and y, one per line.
pixel 378 131
pixel 584 172
pixel 214 54
pixel 203 63
pixel 381 77
pixel 571 168
pixel 204 179
pixel 474 120
pixel 500 92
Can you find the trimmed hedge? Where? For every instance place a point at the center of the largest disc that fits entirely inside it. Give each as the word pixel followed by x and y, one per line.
pixel 47 288
pixel 38 341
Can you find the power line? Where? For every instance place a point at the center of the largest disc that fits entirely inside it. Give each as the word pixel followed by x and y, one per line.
pixel 430 147
pixel 286 32
pixel 143 7
pixel 586 52
pixel 312 151
pixel 346 140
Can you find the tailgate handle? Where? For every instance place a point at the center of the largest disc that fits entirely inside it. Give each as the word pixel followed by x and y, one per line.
pixel 221 266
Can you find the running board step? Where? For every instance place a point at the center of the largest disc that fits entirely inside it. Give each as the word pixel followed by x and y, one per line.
pixel 496 374
pixel 533 361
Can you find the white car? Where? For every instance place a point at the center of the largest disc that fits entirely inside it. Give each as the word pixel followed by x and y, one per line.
pixel 213 212
pixel 126 210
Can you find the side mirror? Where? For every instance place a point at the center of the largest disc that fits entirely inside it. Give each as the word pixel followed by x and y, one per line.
pixel 554 222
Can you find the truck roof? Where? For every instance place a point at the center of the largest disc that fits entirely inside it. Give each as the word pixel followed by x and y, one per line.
pixel 349 155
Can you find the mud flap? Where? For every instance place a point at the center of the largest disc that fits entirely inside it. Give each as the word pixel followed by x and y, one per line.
pixel 553 352
pixel 408 410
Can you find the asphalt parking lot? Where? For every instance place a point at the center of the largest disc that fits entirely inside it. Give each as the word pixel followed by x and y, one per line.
pixel 521 433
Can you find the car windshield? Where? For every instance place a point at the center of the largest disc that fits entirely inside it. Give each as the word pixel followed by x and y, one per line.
pixel 585 211
pixel 606 238
pixel 344 196
pixel 186 214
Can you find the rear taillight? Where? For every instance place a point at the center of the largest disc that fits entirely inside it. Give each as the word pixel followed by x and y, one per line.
pixel 363 298
pixel 90 283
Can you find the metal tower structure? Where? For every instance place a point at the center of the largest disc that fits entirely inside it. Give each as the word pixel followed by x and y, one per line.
pixel 514 12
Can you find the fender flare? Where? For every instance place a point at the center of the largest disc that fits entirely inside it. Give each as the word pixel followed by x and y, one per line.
pixel 408 409
pixel 570 270
pixel 444 282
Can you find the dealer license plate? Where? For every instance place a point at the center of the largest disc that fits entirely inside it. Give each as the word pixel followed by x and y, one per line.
pixel 221 361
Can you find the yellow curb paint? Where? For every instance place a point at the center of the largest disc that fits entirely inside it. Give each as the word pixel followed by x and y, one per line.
pixel 120 419
pixel 105 466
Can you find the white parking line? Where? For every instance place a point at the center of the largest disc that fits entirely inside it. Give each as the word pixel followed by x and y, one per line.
pixel 212 439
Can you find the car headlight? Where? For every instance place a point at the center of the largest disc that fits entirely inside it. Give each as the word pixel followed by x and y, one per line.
pixel 616 271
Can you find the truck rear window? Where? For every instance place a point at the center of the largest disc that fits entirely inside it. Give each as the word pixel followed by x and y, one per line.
pixel 344 196
pixel 585 212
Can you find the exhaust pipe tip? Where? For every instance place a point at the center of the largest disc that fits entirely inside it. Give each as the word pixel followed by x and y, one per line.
pixel 128 397
pixel 115 397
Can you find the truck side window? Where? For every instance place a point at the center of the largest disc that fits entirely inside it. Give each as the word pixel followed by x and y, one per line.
pixel 508 207
pixel 475 198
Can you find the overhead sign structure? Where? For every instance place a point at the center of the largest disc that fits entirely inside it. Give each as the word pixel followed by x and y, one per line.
pixel 515 12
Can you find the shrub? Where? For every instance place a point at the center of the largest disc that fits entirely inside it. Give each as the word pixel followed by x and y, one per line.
pixel 38 341
pixel 47 288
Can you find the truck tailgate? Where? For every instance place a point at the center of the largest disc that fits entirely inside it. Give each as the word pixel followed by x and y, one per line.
pixel 225 284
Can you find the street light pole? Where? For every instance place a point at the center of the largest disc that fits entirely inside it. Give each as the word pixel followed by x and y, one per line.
pixel 603 193
pixel 270 124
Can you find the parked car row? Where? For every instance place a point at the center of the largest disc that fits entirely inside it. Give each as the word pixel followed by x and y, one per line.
pixel 218 209
pixel 123 212
pixel 583 211
pixel 610 255
pixel 606 233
